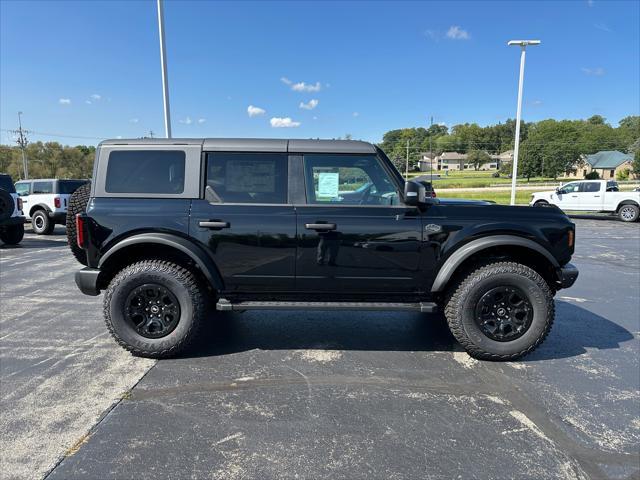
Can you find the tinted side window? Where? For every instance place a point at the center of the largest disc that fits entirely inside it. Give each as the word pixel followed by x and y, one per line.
pixel 589 187
pixel 23 188
pixel 69 186
pixel 348 180
pixel 42 187
pixel 247 177
pixel 145 171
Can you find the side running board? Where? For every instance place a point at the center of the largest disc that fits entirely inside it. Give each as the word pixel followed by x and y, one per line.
pixel 427 307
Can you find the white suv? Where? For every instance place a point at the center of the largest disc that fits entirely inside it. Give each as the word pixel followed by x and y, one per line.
pixel 45 201
pixel 11 217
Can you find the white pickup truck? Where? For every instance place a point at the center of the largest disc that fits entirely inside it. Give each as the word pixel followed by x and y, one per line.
pixel 592 196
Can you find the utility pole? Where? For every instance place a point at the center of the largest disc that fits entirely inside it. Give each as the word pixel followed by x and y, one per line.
pixel 407 174
pixel 431 157
pixel 22 141
pixel 165 78
pixel 151 133
pixel 523 48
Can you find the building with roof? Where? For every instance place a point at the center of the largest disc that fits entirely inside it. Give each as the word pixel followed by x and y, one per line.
pixel 608 163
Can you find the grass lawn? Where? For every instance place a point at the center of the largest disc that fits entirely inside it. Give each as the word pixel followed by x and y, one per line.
pixel 502 197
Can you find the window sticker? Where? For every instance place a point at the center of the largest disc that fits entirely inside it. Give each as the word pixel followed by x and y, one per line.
pixel 328 184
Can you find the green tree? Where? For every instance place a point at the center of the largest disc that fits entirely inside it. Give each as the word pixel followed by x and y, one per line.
pixel 477 158
pixel 635 165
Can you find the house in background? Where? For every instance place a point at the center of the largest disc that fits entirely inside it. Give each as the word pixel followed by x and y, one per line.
pixel 427 162
pixel 608 163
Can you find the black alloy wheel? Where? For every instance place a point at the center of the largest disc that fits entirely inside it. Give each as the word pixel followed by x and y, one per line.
pixel 504 313
pixel 152 310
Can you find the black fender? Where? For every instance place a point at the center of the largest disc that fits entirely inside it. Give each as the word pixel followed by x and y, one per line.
pixel 189 248
pixel 464 252
pixel 39 206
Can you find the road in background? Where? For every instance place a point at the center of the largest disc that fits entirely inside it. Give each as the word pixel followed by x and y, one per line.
pixel 323 395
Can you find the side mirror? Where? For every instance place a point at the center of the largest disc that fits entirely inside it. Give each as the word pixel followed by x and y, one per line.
pixel 414 193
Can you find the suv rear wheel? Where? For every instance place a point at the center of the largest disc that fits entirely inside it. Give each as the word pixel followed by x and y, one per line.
pixel 500 311
pixel 154 308
pixel 41 223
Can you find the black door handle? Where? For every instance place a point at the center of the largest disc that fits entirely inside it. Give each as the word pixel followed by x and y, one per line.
pixel 214 224
pixel 320 227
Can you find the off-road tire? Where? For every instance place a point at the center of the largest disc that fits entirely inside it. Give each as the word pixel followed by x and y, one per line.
pixel 629 213
pixel 7 205
pixel 462 299
pixel 77 204
pixel 12 235
pixel 40 217
pixel 180 282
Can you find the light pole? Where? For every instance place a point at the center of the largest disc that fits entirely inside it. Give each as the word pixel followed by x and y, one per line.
pixel 523 46
pixel 22 141
pixel 165 78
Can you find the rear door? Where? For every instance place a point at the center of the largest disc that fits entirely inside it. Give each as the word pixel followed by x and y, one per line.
pixel 354 234
pixel 590 196
pixel 245 221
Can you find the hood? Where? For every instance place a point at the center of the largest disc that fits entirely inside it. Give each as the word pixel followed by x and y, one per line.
pixel 463 201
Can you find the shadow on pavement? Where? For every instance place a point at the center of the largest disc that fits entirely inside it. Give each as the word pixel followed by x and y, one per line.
pixel 574 330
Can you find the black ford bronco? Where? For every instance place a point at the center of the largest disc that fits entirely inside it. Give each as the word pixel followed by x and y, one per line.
pixel 171 229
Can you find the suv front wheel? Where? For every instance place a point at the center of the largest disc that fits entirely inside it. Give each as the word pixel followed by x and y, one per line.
pixel 154 308
pixel 500 311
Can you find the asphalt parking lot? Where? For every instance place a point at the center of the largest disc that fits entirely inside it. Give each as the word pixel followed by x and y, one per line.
pixel 320 395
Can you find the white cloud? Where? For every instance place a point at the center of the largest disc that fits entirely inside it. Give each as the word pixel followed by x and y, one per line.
pixel 286 122
pixel 313 103
pixel 134 120
pixel 95 96
pixel 537 103
pixel 305 87
pixel 315 118
pixel 88 102
pixel 64 101
pixel 255 111
pixel 455 32
pixel 186 121
pixel 602 26
pixel 356 114
pixel 302 86
pixel 202 120
pixel 594 72
pixel 432 34
pixel 590 3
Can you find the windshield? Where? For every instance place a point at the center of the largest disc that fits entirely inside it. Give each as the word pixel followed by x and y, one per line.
pixel 7 184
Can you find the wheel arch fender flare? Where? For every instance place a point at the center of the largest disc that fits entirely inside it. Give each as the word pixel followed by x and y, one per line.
pixel 39 206
pixel 622 203
pixel 464 252
pixel 199 256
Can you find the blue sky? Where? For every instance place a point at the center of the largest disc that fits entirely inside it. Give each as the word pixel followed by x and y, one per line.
pixel 325 69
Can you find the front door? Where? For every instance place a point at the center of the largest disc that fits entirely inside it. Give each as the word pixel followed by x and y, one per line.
pixel 246 222
pixel 568 196
pixel 354 234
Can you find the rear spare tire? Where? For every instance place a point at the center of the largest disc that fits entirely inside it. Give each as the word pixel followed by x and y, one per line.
pixel 7 205
pixel 77 204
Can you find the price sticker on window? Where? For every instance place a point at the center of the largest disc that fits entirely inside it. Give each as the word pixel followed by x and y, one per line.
pixel 328 184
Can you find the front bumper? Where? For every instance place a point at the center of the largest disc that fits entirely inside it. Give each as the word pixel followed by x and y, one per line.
pixel 87 281
pixel 568 275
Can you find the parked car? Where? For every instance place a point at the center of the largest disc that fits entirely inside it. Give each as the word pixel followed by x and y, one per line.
pixel 45 201
pixel 594 196
pixel 172 226
pixel 11 216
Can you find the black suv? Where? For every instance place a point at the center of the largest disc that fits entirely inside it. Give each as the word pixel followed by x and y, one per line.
pixel 173 226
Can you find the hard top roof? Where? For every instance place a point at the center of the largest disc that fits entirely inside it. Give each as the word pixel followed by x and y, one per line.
pixel 256 144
